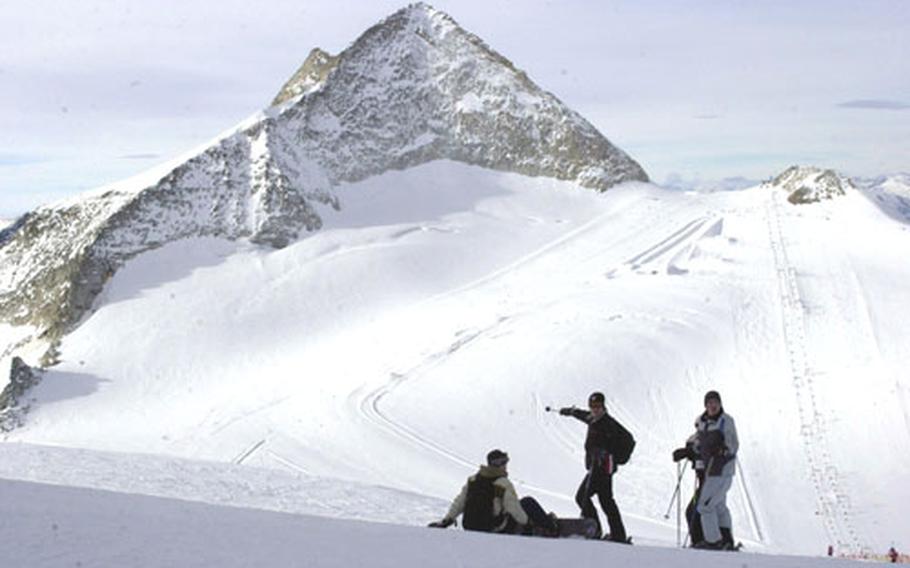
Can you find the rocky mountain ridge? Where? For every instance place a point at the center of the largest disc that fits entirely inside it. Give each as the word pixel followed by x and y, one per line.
pixel 414 88
pixel 809 184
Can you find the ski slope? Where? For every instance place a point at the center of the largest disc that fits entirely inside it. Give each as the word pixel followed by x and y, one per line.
pixel 444 307
pixel 68 526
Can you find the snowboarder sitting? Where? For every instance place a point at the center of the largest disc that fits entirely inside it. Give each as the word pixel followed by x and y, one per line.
pixel 490 504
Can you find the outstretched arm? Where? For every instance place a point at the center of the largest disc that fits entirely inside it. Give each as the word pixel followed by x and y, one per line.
pixel 575 413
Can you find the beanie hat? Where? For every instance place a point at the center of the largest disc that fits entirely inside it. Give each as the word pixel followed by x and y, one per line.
pixel 497 458
pixel 596 398
pixel 712 395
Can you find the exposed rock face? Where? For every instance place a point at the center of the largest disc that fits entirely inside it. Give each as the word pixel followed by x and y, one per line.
pixel 12 399
pixel 810 185
pixel 414 88
pixel 309 77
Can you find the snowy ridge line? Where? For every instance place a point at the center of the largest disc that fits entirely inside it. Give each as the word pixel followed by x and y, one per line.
pixel 836 511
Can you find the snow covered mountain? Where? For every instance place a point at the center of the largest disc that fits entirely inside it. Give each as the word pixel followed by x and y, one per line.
pixel 414 88
pixel 463 277
pixel 444 306
pixel 891 193
pixel 806 184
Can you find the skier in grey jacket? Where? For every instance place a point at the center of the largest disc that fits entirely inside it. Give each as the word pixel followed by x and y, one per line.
pixel 716 444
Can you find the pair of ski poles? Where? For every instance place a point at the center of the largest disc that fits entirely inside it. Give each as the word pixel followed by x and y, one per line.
pixel 676 499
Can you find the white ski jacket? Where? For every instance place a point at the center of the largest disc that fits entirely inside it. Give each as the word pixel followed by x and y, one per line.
pixel 726 426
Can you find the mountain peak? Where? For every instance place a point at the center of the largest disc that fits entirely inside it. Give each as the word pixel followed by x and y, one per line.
pixel 412 89
pixel 809 184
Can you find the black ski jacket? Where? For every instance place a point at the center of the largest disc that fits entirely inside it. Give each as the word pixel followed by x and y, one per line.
pixel 600 441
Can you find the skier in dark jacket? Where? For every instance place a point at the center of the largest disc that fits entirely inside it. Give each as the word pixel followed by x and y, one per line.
pixel 599 450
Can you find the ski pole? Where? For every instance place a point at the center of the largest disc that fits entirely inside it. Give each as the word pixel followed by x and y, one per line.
pixel 681 468
pixel 682 471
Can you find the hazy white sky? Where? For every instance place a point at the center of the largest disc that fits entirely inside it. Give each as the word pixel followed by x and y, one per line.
pixel 96 90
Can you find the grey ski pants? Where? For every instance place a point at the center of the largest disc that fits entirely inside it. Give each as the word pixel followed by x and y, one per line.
pixel 712 506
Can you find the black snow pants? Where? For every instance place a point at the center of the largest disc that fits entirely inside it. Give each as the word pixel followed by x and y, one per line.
pixel 600 483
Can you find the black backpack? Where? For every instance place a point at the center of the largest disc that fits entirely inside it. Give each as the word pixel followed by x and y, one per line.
pixel 623 443
pixel 478 507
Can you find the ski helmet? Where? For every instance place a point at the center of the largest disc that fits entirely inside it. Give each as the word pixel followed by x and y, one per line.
pixel 596 398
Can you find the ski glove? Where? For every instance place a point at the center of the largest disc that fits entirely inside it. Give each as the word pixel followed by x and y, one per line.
pixel 680 454
pixel 566 411
pixel 445 523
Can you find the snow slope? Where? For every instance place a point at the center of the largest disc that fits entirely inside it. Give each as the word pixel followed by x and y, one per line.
pixel 63 526
pixel 443 307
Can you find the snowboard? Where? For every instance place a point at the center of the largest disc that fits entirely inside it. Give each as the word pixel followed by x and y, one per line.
pixel 577 528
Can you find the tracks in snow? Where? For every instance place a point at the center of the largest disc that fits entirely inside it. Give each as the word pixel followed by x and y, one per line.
pixel 674 241
pixel 667 254
pixel 369 405
pixel 832 500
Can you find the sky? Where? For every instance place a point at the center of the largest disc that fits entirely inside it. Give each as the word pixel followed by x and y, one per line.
pixel 95 91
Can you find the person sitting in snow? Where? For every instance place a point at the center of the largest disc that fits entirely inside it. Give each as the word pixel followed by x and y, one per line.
pixel 489 503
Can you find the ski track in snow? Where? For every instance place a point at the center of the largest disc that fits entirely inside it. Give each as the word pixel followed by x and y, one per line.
pixel 674 241
pixel 676 246
pixel 833 501
pixel 368 406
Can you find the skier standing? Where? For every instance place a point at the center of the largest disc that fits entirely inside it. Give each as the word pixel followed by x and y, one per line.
pixel 601 445
pixel 716 444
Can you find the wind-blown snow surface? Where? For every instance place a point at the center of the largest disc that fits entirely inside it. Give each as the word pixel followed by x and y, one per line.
pixel 52 525
pixel 438 313
pixel 65 526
